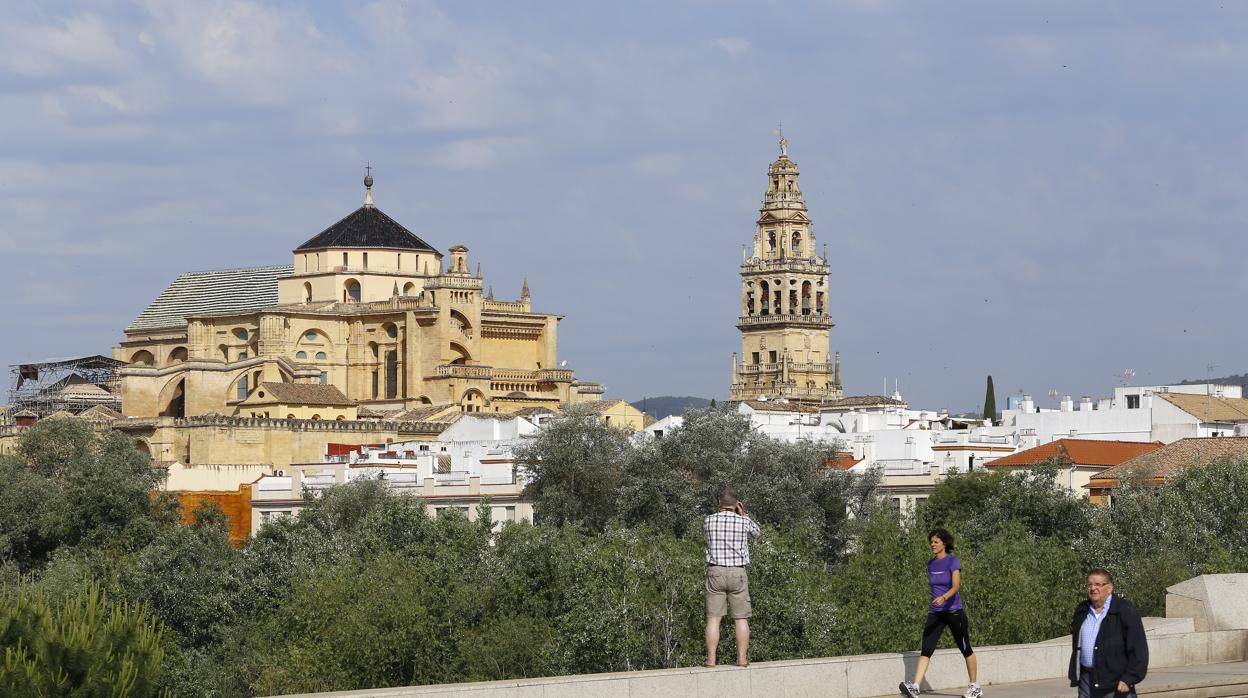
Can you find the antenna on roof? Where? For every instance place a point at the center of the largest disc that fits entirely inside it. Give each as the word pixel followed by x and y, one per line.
pixel 368 184
pixel 1126 376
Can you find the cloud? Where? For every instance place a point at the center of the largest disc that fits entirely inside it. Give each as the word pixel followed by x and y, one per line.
pixel 733 45
pixel 80 42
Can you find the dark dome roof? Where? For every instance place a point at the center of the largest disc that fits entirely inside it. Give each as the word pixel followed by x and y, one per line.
pixel 367 226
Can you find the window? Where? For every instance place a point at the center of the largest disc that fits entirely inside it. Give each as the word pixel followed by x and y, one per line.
pixel 365 260
pixel 324 378
pixel 392 375
pixel 353 292
pixel 321 356
pixel 919 502
pixel 376 379
pixel 344 259
pixel 1133 402
pixel 771 356
pixel 241 334
pixel 242 355
pixel 896 501
pixel 392 331
pixel 757 358
pixel 301 355
pixel 510 514
pixel 309 336
pixel 242 388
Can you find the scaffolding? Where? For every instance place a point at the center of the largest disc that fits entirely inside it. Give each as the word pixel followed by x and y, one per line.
pixel 64 385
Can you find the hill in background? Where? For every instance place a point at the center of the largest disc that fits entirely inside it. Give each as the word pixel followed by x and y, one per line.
pixel 660 407
pixel 1240 380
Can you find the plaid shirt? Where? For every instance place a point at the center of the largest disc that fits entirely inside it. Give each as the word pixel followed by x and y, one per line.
pixel 728 539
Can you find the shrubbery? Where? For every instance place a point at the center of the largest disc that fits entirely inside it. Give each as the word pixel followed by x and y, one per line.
pixel 364 589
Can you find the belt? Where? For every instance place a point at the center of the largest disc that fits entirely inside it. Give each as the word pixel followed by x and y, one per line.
pixel 1086 669
pixel 739 567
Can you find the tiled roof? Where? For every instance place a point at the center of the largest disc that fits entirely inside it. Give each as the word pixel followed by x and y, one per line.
pixel 600 406
pixel 1166 460
pixel 307 394
pixel 100 414
pixel 865 401
pixel 205 292
pixel 427 413
pixel 776 406
pixel 366 226
pixel 1080 452
pixel 841 460
pixel 537 410
pixel 1207 408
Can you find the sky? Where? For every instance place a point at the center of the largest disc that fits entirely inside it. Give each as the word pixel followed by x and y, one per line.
pixel 1047 192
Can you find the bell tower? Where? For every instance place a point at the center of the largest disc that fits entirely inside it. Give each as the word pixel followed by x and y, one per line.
pixel 784 302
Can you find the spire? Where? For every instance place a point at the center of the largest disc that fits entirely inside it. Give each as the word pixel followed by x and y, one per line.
pixel 395 292
pixel 836 371
pixel 478 269
pixel 368 184
pixel 784 142
pixel 524 290
pixel 490 295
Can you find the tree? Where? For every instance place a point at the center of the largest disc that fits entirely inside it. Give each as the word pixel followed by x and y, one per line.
pixel 574 469
pixel 82 645
pixel 990 402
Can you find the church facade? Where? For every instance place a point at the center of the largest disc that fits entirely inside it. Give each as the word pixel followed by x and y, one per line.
pixel 369 321
pixel 785 320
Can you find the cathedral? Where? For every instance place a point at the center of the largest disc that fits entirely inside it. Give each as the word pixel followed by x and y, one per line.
pixel 368 321
pixel 784 320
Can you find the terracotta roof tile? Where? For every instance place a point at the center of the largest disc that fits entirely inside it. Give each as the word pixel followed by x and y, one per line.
pixel 1164 461
pixel 307 394
pixel 1208 408
pixel 1080 452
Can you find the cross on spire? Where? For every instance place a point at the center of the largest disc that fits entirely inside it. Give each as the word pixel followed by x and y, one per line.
pixel 784 142
pixel 368 183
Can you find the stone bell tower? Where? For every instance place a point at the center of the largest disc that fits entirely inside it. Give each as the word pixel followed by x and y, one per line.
pixel 784 302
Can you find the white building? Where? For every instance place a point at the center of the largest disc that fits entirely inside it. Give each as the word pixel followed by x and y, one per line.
pixel 472 460
pixel 1163 413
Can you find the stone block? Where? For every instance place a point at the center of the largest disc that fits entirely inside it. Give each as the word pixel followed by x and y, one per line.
pixel 1228 646
pixel 1012 663
pixel 873 674
pixel 1213 601
pixel 1195 648
pixel 815 678
pixel 657 685
pixel 1166 651
pixel 614 687
pixel 724 681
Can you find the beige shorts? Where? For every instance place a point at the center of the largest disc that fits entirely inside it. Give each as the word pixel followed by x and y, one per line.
pixel 727 591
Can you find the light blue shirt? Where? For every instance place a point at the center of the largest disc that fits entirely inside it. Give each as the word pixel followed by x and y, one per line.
pixel 1087 632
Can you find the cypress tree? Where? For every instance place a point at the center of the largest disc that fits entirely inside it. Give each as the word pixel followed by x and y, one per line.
pixel 990 402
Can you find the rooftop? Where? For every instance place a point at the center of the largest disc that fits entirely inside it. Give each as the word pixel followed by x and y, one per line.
pixel 1165 461
pixel 1208 408
pixel 1080 452
pixel 306 394
pixel 367 226
pixel 215 292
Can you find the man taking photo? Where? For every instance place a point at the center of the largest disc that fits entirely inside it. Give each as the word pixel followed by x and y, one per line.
pixel 728 533
pixel 1110 652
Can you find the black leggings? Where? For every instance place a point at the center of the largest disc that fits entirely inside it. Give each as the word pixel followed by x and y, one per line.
pixel 937 621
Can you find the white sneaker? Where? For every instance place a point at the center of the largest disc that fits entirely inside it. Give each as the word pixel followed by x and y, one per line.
pixel 973 691
pixel 908 690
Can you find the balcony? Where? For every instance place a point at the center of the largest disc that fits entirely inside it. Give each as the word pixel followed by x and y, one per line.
pixel 459 371
pixel 461 282
pixel 786 264
pixel 817 320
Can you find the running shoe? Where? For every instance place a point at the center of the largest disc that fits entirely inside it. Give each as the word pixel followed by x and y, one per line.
pixel 908 690
pixel 973 691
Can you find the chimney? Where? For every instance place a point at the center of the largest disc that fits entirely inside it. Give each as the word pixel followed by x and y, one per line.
pixel 1085 404
pixel 1067 404
pixel 1026 405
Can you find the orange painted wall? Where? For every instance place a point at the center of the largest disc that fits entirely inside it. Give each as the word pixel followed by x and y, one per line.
pixel 236 505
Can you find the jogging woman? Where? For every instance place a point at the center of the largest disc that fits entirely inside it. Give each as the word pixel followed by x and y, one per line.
pixel 944 574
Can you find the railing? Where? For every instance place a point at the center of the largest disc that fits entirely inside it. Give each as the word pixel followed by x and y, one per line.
pixel 513 374
pixel 464 282
pixel 742 391
pixel 795 367
pixel 554 375
pixel 506 306
pixel 457 371
pixel 790 318
pixel 795 263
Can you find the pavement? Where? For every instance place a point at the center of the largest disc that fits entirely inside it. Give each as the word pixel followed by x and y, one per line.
pixel 1198 681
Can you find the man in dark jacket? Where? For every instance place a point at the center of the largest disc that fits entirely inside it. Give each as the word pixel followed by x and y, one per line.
pixel 1110 652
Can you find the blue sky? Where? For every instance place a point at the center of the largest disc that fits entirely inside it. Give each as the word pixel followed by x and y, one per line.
pixel 1048 192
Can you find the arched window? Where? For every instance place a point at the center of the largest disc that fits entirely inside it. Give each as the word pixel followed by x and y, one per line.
pixel 766 292
pixel 311 336
pixel 372 346
pixel 392 331
pixel 408 288
pixel 797 243
pixel 240 333
pixel 321 356
pixel 351 294
pixel 771 241
pixel 242 387
pixel 177 355
pixel 143 358
pixel 301 355
pixel 392 375
pixel 316 417
pixel 290 416
pixel 307 292
pixel 805 298
pixel 340 418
